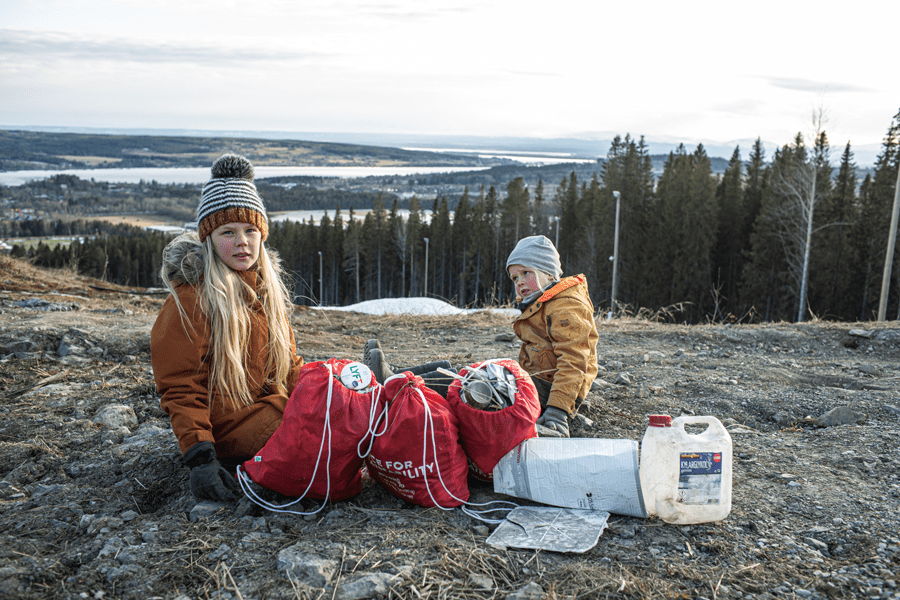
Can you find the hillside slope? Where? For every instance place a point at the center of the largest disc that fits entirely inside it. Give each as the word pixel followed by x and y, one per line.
pixel 95 502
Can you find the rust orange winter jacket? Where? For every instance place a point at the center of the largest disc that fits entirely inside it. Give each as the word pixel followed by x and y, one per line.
pixel 180 355
pixel 559 341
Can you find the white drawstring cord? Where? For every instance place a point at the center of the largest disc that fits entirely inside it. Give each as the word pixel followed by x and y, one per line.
pixel 371 432
pixel 244 479
pixel 479 515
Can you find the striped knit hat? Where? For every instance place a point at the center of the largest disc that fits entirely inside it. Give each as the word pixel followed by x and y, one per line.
pixel 230 197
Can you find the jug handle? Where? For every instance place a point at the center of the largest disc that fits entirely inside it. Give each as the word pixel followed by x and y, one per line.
pixel 714 423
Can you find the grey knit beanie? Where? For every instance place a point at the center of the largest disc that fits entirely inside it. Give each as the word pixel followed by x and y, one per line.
pixel 537 252
pixel 231 197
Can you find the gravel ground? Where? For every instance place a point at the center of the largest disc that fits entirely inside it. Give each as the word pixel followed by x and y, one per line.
pixel 95 503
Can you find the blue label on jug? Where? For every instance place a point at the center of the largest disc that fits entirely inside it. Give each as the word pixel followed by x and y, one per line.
pixel 700 480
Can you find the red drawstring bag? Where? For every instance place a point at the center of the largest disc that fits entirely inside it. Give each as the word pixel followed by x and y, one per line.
pixel 418 458
pixel 317 451
pixel 487 436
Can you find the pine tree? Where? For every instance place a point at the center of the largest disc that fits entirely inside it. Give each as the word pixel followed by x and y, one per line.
pixel 628 170
pixel 414 245
pixel 756 182
pixel 539 211
pixel 480 251
pixel 441 249
pixel 515 210
pixel 686 232
pixel 831 271
pixel 461 232
pixel 399 243
pixel 729 253
pixel 567 209
pixel 352 261
pixel 863 240
pixel 870 237
pixel 589 257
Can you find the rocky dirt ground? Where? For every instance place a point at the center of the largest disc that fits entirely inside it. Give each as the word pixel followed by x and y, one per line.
pixel 96 503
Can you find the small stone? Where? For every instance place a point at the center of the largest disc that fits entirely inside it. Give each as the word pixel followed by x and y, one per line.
pixel 782 418
pixel 367 586
pixel 532 591
pixel 311 570
pixel 204 510
pixel 623 378
pixel 817 544
pixel 480 582
pixel 583 420
pixel 863 333
pixel 842 415
pixel 115 416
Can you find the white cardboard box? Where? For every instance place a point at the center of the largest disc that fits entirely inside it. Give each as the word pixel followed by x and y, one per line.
pixel 586 473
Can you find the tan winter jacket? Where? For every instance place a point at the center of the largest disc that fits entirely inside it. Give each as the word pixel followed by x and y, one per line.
pixel 559 341
pixel 181 369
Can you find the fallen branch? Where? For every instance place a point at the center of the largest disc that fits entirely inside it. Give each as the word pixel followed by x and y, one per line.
pixel 38 385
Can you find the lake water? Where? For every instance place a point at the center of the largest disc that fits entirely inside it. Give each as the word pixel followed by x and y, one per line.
pixel 200 175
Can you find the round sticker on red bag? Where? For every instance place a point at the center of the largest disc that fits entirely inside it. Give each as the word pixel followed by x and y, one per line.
pixel 356 376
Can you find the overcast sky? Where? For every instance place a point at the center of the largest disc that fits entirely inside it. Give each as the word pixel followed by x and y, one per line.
pixel 677 71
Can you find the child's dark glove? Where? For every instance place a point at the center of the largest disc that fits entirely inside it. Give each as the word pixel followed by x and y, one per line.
pixel 209 479
pixel 555 421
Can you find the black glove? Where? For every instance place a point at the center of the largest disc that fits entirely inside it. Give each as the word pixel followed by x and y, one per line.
pixel 555 421
pixel 209 479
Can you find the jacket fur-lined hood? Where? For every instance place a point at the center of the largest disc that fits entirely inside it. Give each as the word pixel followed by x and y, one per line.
pixel 184 259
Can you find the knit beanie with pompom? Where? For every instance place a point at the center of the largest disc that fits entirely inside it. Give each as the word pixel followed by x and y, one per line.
pixel 231 197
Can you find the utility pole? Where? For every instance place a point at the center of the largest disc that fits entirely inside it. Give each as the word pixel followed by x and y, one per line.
pixel 321 278
pixel 615 258
pixel 426 268
pixel 889 257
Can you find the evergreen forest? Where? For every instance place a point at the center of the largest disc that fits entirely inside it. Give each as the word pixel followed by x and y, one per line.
pixel 792 237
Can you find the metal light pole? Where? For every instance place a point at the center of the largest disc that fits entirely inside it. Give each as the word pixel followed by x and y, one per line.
pixel 615 257
pixel 557 232
pixel 889 256
pixel 321 277
pixel 426 268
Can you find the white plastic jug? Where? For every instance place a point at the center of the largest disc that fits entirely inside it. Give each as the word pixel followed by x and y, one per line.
pixel 686 478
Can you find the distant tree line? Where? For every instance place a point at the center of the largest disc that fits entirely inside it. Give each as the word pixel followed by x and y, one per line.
pixel 121 254
pixel 693 246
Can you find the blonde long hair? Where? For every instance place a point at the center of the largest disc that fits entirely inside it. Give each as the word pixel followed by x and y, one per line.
pixel 225 300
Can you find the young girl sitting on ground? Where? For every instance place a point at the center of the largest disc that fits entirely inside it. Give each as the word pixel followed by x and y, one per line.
pixel 222 349
pixel 557 329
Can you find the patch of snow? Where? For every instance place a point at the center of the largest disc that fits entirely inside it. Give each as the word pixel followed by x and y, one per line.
pixel 415 306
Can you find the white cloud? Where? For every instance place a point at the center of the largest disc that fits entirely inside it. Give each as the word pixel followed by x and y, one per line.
pixel 706 70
